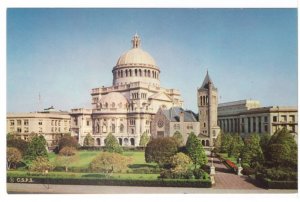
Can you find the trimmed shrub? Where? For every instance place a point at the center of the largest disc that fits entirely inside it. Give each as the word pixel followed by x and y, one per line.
pixel 199 173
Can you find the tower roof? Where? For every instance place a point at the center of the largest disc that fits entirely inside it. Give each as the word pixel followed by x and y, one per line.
pixel 206 81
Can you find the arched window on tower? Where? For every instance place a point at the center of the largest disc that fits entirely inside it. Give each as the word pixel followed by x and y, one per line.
pixel 106 105
pixel 113 105
pixel 135 71
pixel 130 73
pixel 121 73
pixel 200 100
pixel 149 74
pixel 145 73
pixel 126 73
pixel 140 71
pixel 152 74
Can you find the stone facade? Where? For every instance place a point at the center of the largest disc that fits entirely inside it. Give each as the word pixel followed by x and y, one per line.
pixel 125 109
pixel 246 117
pixel 167 121
pixel 49 123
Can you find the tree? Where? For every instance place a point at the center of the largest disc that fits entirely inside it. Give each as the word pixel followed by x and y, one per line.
pixel 180 162
pixel 41 165
pixel 67 155
pixel 179 139
pixel 88 140
pixel 112 144
pixel 226 140
pixel 109 163
pixel 264 141
pixel 67 141
pixel 13 156
pixel 160 150
pixel 195 150
pixel 282 149
pixel 36 147
pixel 218 143
pixel 252 152
pixel 13 141
pixel 235 146
pixel 144 139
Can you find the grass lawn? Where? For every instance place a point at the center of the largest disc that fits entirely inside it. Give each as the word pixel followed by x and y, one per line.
pixel 85 157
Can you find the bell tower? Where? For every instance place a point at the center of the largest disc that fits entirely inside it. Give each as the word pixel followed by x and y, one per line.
pixel 207 96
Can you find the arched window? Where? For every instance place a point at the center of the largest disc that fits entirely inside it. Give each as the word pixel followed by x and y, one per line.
pixel 204 124
pixel 152 74
pixel 149 74
pixel 121 73
pixel 126 73
pixel 132 131
pixel 130 73
pixel 140 71
pixel 113 128
pixel 203 142
pixel 120 141
pixel 207 143
pixel 126 141
pixel 121 128
pixel 132 141
pixel 100 105
pixel 145 73
pixel 97 128
pixel 104 128
pixel 98 141
pixel 135 71
pixel 113 105
pixel 106 105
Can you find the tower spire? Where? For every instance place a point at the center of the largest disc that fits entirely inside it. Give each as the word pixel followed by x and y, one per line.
pixel 136 41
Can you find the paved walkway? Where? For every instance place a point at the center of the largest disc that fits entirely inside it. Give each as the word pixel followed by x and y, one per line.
pixel 225 179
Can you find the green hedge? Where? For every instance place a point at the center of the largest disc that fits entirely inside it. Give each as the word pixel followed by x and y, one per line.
pixel 272 184
pixel 114 182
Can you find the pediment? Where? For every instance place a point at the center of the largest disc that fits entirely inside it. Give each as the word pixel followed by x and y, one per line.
pixel 161 96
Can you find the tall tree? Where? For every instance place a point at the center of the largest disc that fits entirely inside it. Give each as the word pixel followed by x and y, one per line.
pixel 282 149
pixel 13 141
pixel 160 150
pixel 88 140
pixel 67 141
pixel 36 148
pixel 13 156
pixel 236 146
pixel 252 152
pixel 178 137
pixel 195 150
pixel 112 144
pixel 144 139
pixel 218 143
pixel 226 140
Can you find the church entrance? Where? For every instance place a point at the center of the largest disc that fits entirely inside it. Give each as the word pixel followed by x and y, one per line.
pixel 160 134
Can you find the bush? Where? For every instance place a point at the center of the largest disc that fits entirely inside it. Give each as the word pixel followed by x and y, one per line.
pixel 279 174
pixel 67 141
pixel 198 173
pixel 168 174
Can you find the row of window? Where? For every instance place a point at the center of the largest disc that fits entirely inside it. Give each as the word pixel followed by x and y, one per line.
pixel 136 72
pixel 137 95
pixel 284 118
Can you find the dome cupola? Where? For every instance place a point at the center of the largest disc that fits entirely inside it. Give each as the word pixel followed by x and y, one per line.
pixel 136 65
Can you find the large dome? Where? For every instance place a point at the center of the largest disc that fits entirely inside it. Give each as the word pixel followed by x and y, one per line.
pixel 136 65
pixel 136 56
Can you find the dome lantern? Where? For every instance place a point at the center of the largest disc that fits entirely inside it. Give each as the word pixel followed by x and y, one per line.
pixel 136 41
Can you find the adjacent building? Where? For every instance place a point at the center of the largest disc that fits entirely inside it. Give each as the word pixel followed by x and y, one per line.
pixel 204 124
pixel 247 116
pixel 49 123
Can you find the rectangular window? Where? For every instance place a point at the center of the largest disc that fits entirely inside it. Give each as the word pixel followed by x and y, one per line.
pixel 52 122
pixel 292 118
pixel 266 128
pixel 26 130
pixel 26 122
pixel 249 126
pixel 40 129
pixel 274 118
pixel 40 122
pixel 87 123
pixel 19 130
pixel 12 122
pixel 19 122
pixel 283 118
pixel 266 119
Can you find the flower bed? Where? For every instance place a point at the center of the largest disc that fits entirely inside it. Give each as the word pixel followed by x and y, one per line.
pixel 231 165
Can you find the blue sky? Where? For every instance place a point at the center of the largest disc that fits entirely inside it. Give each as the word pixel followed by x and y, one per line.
pixel 64 53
